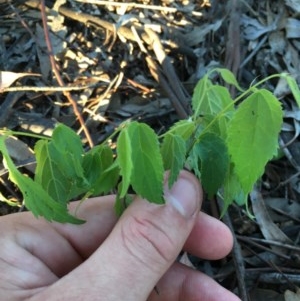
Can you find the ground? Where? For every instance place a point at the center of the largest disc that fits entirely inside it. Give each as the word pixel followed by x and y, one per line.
pixel 99 63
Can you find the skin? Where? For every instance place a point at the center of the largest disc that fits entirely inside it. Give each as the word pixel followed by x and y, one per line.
pixel 115 259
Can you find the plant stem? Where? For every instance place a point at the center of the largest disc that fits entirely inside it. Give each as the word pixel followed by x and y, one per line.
pixel 25 134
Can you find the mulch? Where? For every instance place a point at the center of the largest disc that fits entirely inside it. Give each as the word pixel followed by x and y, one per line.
pixel 99 63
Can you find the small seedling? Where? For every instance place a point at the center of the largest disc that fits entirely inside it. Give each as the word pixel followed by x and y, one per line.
pixel 226 143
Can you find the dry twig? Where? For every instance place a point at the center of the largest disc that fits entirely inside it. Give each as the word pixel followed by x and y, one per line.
pixel 59 78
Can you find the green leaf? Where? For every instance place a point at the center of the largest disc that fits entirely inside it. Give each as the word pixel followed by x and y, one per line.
pixel 122 203
pixel 223 123
pixel 66 140
pixel 173 150
pixel 124 152
pixel 209 99
pixel 119 206
pixel 217 99
pixel 107 181
pixel 214 159
pixel 253 136
pixel 35 197
pixel 92 165
pixel 199 97
pixel 183 128
pixel 193 162
pixel 49 175
pixel 67 151
pixel 59 165
pixel 233 191
pixel 100 170
pixel 229 77
pixel 294 88
pixel 147 172
pixel 209 124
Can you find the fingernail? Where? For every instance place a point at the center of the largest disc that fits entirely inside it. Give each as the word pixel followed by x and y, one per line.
pixel 182 196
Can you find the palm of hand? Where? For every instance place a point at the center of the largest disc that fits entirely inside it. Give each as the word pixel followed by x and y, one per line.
pixel 36 255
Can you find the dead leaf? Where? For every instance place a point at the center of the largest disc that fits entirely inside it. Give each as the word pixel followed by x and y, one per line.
pixel 184 259
pixel 132 108
pixel 57 35
pixel 259 294
pixel 277 42
pixel 294 4
pixel 291 296
pixel 268 228
pixel 289 207
pixel 7 78
pixel 253 29
pixel 57 4
pixel 20 152
pixel 282 88
pixel 198 34
pixel 292 28
pixel 295 114
pixel 291 59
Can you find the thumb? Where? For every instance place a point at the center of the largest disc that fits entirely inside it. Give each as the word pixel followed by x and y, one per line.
pixel 146 241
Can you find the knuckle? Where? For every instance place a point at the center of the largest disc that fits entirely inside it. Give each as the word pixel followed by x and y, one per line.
pixel 148 241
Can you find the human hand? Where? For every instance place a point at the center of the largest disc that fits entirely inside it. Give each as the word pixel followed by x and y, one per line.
pixel 110 259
